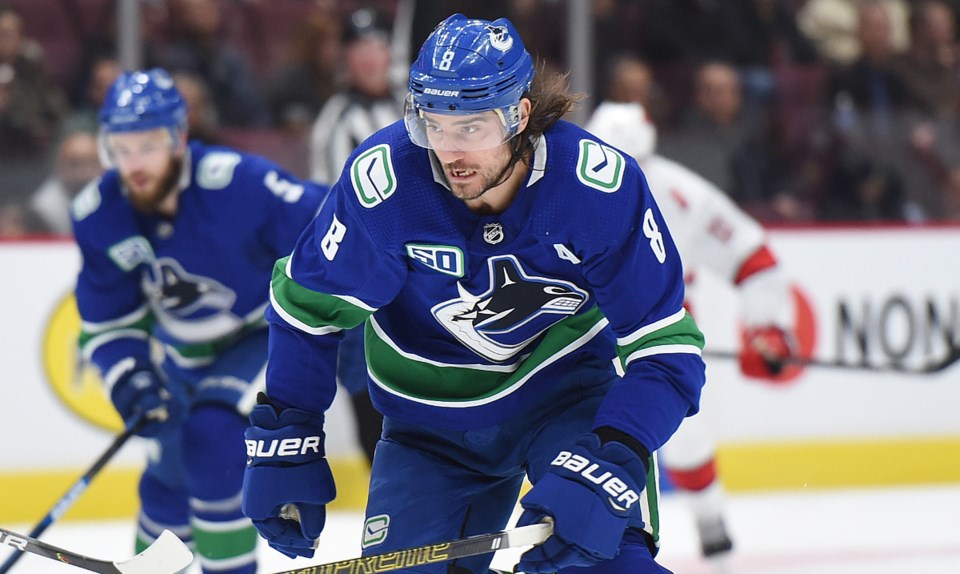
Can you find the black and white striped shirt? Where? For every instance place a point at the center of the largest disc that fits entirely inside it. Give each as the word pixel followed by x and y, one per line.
pixel 345 120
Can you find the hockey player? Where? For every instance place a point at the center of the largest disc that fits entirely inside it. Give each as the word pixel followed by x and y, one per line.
pixel 712 235
pixel 500 258
pixel 178 242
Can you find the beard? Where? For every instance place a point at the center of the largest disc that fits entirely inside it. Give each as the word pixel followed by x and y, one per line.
pixel 146 198
pixel 483 180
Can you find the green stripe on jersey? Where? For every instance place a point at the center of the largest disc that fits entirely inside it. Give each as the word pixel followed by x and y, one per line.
pixel 144 323
pixel 310 307
pixel 214 348
pixel 418 378
pixel 683 333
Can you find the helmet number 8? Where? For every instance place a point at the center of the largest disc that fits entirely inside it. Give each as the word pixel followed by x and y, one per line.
pixel 446 60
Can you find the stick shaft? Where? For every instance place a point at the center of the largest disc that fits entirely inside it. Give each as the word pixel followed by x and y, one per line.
pixel 167 555
pixel 78 488
pixel 950 359
pixel 29 544
pixel 432 553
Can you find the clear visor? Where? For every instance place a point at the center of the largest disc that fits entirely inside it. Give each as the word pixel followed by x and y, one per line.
pixel 462 131
pixel 115 148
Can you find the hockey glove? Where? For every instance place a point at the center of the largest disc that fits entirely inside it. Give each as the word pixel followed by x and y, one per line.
pixel 141 393
pixel 766 351
pixel 591 492
pixel 287 482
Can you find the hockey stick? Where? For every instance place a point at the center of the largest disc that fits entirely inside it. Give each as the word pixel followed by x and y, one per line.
pixel 432 553
pixel 78 488
pixel 167 555
pixel 952 357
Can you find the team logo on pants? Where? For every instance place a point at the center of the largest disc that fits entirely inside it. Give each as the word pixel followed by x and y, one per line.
pixel 375 530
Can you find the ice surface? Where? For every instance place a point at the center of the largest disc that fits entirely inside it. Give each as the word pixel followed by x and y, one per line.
pixel 876 531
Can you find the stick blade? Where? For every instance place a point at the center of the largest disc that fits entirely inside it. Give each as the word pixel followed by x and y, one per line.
pixel 167 555
pixel 529 535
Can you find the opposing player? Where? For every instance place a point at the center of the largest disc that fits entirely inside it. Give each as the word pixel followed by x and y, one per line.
pixel 713 235
pixel 178 242
pixel 500 258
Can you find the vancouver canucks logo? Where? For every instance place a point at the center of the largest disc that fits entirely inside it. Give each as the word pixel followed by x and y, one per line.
pixel 181 294
pixel 500 38
pixel 514 310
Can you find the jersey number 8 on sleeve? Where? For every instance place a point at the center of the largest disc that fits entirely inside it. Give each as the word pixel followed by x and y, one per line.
pixel 331 241
pixel 652 232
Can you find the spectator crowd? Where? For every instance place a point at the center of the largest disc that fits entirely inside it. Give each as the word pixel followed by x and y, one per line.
pixel 800 110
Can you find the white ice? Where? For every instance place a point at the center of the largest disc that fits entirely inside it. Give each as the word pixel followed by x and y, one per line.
pixel 876 531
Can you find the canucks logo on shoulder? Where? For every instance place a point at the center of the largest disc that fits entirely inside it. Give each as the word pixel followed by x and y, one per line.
pixel 514 310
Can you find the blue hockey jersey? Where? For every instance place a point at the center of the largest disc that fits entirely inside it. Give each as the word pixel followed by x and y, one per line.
pixel 472 318
pixel 196 282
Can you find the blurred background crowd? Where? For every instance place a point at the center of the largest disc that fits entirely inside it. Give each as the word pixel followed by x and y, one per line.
pixel 801 110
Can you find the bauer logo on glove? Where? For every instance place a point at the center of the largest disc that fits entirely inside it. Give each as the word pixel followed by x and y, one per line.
pixel 622 497
pixel 295 446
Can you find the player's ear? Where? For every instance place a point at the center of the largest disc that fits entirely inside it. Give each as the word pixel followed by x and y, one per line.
pixel 525 107
pixel 180 145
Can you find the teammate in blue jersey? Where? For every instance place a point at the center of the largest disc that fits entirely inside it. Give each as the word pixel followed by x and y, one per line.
pixel 178 242
pixel 501 260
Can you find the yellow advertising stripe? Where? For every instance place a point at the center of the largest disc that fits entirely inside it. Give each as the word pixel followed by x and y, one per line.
pixel 877 462
pixel 28 496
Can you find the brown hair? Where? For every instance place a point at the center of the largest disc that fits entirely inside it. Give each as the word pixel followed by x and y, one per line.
pixel 551 100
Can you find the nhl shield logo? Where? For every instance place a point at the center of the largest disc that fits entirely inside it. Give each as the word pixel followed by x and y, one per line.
pixel 493 233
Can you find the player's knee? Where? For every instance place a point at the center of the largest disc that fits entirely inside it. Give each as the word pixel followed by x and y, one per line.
pixel 162 503
pixel 213 448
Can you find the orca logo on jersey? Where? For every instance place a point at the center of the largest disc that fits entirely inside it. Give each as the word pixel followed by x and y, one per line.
pixel 515 309
pixel 182 293
pixel 190 307
pixel 622 497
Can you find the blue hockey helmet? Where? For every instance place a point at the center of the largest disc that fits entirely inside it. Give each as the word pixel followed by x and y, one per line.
pixel 143 100
pixel 140 101
pixel 469 66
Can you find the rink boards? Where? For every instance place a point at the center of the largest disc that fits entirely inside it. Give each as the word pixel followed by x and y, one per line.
pixel 873 297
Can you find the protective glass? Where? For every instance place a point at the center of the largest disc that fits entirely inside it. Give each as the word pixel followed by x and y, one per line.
pixel 463 131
